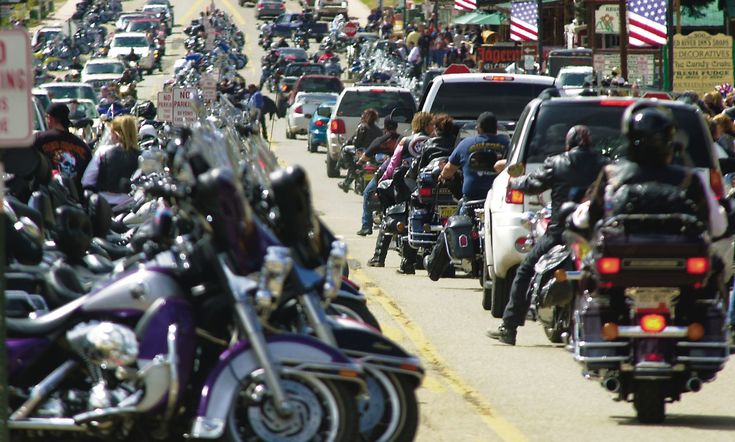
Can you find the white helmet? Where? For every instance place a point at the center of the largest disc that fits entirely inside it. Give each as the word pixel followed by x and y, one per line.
pixel 147 131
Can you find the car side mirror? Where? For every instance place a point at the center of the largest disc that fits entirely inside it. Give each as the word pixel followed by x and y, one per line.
pixel 516 170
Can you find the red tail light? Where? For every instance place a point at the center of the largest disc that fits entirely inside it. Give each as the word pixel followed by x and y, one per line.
pixel 608 265
pixel 619 103
pixel 319 123
pixel 653 323
pixel 513 196
pixel 697 266
pixel 261 6
pixel 715 182
pixel 424 192
pixel 337 126
pixel 282 6
pixel 299 109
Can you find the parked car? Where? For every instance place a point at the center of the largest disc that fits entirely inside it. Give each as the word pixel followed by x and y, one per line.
pixel 101 71
pixel 63 90
pixel 303 108
pixel 122 21
pixel 143 25
pixel 123 42
pixel 348 110
pixel 318 124
pixel 269 8
pixel 465 96
pixel 329 8
pixel 162 10
pixel 540 134
pixel 291 74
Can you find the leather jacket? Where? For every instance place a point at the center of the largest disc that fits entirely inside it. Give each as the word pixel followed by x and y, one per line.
pixel 568 175
pixel 627 172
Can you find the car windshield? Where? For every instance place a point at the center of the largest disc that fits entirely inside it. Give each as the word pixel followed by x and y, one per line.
pixel 572 78
pixel 355 102
pixel 293 52
pixel 104 68
pixel 553 121
pixel 130 42
pixel 320 85
pixel 297 70
pixel 466 101
pixel 137 26
pixel 61 92
pixel 128 18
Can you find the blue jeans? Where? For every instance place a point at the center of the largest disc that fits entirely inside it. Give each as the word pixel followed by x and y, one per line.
pixel 367 217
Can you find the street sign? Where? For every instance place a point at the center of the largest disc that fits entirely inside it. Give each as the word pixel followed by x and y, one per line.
pixel 350 29
pixel 183 105
pixel 455 68
pixel 16 81
pixel 165 111
pixel 208 84
pixel 528 62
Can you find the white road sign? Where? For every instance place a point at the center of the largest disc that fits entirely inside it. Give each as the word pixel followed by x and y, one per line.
pixel 209 87
pixel 16 81
pixel 184 99
pixel 165 111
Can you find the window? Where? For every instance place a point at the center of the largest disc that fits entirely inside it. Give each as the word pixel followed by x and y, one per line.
pixel 354 103
pixel 466 101
pixel 130 42
pixel 104 68
pixel 320 85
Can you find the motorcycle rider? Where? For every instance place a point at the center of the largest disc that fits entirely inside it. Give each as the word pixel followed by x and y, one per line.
pixel 366 132
pixel 474 185
pixel 384 144
pixel 567 174
pixel 327 55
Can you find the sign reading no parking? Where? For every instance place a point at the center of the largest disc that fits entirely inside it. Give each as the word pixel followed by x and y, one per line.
pixel 16 106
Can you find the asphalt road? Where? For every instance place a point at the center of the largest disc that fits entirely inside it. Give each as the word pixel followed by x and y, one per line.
pixel 475 389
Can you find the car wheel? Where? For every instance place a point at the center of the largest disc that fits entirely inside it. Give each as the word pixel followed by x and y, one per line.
pixel 501 293
pixel 487 292
pixel 149 71
pixel 332 167
pixel 311 146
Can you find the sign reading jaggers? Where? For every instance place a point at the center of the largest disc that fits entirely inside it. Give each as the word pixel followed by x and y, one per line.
pixel 702 61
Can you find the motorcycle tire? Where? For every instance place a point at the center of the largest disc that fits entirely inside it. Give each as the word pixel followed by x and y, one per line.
pixel 501 293
pixel 649 400
pixel 332 167
pixel 355 309
pixel 391 413
pixel 555 332
pixel 324 410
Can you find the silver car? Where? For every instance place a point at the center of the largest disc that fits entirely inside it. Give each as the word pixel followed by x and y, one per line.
pixel 269 8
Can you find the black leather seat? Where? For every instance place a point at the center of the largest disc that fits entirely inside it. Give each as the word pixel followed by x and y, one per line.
pixel 45 324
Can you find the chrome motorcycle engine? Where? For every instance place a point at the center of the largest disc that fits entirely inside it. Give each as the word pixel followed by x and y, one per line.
pixel 106 344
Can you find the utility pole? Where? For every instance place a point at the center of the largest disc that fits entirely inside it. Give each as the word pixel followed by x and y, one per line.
pixel 671 4
pixel 4 433
pixel 623 39
pixel 540 26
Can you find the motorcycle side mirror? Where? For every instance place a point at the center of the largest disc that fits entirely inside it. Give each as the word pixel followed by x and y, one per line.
pixel 516 170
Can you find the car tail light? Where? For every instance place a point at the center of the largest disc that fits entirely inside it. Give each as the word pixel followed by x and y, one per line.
pixel 513 196
pixel 498 78
pixel 424 192
pixel 377 91
pixel 697 266
pixel 620 103
pixel 653 323
pixel 715 182
pixel 260 6
pixel 337 126
pixel 608 265
pixel 319 123
pixel 282 6
pixel 299 109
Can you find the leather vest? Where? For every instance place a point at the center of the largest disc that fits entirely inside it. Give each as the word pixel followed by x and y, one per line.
pixel 116 167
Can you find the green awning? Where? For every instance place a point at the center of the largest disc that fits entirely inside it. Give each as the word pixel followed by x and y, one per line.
pixel 465 19
pixel 711 16
pixel 481 18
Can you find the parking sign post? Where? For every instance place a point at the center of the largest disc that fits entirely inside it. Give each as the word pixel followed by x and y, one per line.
pixel 16 130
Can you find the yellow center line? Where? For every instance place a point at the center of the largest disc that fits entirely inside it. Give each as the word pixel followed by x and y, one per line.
pixel 430 355
pixel 195 8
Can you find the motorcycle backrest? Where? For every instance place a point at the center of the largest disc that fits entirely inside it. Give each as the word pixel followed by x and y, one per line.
pixel 100 214
pixel 73 231
pixel 41 201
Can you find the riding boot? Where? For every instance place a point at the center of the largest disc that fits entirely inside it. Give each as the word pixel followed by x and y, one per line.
pixel 437 261
pixel 382 244
pixel 408 263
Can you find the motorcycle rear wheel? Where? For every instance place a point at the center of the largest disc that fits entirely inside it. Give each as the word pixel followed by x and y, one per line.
pixel 323 410
pixel 649 401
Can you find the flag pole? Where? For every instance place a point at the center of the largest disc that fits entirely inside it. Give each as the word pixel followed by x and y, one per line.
pixel 670 4
pixel 622 10
pixel 540 27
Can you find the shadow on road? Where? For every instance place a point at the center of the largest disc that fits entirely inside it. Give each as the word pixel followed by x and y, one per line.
pixel 699 422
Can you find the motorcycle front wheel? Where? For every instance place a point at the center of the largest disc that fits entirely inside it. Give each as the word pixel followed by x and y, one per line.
pixel 391 412
pixel 322 410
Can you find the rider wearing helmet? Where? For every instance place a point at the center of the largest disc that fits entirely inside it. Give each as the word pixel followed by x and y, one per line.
pixel 568 175
pixel 327 55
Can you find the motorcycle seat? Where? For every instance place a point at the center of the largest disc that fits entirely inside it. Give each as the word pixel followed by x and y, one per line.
pixel 45 324
pixel 113 250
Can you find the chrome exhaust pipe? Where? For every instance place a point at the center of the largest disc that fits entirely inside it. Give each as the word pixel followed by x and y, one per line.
pixel 52 424
pixel 694 384
pixel 611 384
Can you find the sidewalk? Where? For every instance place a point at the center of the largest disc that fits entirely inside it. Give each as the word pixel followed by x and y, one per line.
pixel 59 16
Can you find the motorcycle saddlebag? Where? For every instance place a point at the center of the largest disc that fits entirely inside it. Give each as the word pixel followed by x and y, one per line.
pixel 547 289
pixel 590 347
pixel 459 237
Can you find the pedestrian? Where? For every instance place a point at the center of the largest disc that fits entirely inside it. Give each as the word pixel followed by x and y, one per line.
pixel 255 102
pixel 114 163
pixel 424 46
pixel 725 135
pixel 67 153
pixel 415 59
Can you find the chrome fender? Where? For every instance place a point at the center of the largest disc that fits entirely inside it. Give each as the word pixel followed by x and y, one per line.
pixel 299 352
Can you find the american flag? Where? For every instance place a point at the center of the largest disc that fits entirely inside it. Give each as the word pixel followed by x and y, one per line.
pixel 524 20
pixel 646 22
pixel 465 5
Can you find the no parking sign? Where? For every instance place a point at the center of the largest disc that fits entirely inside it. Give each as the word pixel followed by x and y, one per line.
pixel 16 81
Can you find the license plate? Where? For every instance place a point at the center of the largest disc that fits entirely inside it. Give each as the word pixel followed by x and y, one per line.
pixel 447 211
pixel 652 297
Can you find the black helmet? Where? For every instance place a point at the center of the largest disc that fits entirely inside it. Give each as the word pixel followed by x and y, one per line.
pixel 390 124
pixel 650 132
pixel 578 136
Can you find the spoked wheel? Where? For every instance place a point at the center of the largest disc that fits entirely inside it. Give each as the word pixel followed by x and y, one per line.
pixel 322 411
pixel 650 402
pixel 391 412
